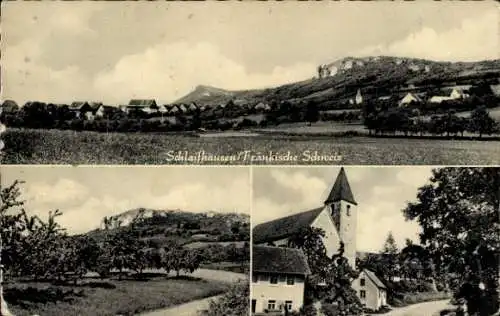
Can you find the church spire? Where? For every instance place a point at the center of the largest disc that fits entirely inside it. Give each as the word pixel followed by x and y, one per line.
pixel 341 190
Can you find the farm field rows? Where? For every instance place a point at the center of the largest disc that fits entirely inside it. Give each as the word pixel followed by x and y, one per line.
pixel 68 147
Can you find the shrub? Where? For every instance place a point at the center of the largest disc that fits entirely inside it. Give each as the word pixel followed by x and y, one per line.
pixel 234 302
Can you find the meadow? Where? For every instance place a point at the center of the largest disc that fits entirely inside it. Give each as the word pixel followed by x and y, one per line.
pixel 107 297
pixel 23 146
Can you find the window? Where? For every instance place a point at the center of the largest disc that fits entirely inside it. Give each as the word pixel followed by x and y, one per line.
pixel 288 305
pixel 255 278
pixel 348 212
pixel 274 279
pixel 362 294
pixel 271 305
pixel 362 282
pixel 282 278
pixel 290 280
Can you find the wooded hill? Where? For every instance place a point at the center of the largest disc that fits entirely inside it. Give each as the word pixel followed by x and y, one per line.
pixel 163 227
pixel 375 76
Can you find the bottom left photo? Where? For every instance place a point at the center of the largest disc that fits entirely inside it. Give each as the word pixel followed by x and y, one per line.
pixel 109 240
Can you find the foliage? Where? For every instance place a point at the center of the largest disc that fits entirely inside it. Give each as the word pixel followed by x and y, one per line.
pixel 458 214
pixel 331 278
pixel 234 303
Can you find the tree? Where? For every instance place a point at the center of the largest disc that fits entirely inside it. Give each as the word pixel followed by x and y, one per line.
pixel 331 278
pixel 310 240
pixel 390 257
pixel 481 122
pixel 459 216
pixel 234 302
pixel 312 112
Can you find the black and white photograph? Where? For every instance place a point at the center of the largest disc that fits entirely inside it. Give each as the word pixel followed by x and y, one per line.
pixel 108 241
pixel 399 241
pixel 287 83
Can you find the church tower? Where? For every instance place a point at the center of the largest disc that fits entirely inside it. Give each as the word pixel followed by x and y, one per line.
pixel 343 208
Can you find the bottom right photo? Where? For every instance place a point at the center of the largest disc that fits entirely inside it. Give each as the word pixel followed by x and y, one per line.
pixel 375 240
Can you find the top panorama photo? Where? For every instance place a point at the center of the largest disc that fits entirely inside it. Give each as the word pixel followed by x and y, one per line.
pixel 295 83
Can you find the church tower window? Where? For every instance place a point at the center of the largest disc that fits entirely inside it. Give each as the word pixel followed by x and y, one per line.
pixel 348 212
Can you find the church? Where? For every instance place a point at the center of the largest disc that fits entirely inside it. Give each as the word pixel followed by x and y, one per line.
pixel 337 217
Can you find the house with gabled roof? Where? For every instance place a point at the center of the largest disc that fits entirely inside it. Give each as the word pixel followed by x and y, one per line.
pixel 371 291
pixel 278 279
pixel 142 106
pixel 81 109
pixel 409 98
pixel 338 219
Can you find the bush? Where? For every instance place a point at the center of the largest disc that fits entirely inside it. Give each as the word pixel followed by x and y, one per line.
pixel 234 302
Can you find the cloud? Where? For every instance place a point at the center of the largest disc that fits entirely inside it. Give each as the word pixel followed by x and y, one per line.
pixel 474 39
pixel 63 191
pixel 170 70
pixel 381 194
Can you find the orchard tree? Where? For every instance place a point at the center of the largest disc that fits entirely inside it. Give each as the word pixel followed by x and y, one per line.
pixel 459 216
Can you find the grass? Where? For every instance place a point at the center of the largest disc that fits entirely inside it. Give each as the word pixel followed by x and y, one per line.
pixel 204 244
pixel 127 297
pixel 228 266
pixel 415 298
pixel 68 147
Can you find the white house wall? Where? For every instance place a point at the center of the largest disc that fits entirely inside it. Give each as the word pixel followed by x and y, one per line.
pixel 263 291
pixel 332 238
pixel 375 297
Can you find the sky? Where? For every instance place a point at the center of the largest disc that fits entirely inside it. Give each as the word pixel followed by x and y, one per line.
pixel 86 194
pixel 381 194
pixel 113 51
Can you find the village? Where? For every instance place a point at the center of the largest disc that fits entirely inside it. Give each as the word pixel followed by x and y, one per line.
pixel 351 90
pixel 308 264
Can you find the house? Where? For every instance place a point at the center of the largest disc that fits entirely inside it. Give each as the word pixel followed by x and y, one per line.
pixel 81 110
pixel 408 99
pixel 162 109
pixel 371 291
pixel 495 89
pixel 278 279
pixel 338 219
pixel 359 97
pixel 174 110
pixel 456 93
pixel 106 111
pixel 142 106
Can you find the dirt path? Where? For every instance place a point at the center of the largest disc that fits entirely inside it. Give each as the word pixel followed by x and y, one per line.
pixel 187 309
pixel 421 309
pixel 194 307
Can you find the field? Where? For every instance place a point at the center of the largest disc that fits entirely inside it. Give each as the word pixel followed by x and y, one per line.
pixel 68 147
pixel 109 297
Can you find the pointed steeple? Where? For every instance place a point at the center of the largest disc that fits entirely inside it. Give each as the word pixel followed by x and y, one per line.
pixel 341 190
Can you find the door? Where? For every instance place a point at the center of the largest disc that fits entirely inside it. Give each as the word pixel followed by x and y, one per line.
pixel 254 302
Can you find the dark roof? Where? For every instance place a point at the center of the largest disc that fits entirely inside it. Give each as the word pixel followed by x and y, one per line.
pixel 341 190
pixel 137 102
pixel 284 227
pixel 371 275
pixel 77 105
pixel 279 260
